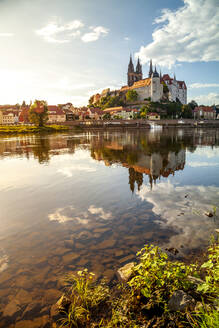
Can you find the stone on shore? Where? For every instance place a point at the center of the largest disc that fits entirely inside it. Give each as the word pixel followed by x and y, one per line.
pixel 124 273
pixel 180 301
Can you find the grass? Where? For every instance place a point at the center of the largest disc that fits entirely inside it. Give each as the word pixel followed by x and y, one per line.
pixel 20 129
pixel 144 300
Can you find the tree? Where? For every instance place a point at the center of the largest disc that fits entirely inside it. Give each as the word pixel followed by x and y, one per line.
pixel 107 116
pixel 38 112
pixel 131 95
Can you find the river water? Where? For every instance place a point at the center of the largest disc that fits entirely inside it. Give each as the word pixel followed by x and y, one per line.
pixel 70 201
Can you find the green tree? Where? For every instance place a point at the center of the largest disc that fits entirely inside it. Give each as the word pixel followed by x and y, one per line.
pixel 107 116
pixel 131 95
pixel 38 112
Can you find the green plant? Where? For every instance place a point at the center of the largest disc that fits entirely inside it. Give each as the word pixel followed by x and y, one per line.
pixel 156 278
pixel 205 317
pixel 210 269
pixel 84 296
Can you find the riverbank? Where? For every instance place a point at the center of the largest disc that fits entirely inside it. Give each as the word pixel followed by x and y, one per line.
pixel 21 129
pixel 154 292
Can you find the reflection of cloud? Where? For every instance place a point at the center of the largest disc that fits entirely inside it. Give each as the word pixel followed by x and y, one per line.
pixel 68 171
pixel 207 152
pixel 198 164
pixel 184 214
pixel 66 214
pixel 3 261
pixel 69 213
pixel 99 211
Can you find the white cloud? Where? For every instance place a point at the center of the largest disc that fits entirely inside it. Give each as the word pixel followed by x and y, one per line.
pixel 6 35
pixel 57 33
pixel 96 33
pixel 100 212
pixel 209 99
pixel 203 85
pixel 189 34
pixel 127 38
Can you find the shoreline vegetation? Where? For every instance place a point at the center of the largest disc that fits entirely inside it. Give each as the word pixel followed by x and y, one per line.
pixel 21 129
pixel 155 292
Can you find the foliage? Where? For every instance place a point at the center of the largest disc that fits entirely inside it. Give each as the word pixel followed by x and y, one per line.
pixel 205 317
pixel 38 113
pixel 143 301
pixel 165 87
pixel 84 295
pixel 211 271
pixel 110 101
pixel 186 111
pixel 131 95
pixel 20 129
pixel 107 116
pixel 157 278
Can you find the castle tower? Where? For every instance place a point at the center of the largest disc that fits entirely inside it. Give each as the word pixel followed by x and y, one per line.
pixel 156 86
pixel 150 69
pixel 131 72
pixel 133 75
pixel 138 71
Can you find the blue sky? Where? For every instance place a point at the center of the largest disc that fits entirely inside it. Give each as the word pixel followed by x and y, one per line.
pixel 64 51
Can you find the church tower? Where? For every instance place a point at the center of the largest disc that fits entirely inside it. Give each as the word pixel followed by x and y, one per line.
pixel 150 69
pixel 133 75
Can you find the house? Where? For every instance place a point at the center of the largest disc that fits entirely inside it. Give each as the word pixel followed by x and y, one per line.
pixel 205 112
pixel 9 117
pixel 56 115
pixel 177 89
pixel 95 113
pixel 153 116
pixel 121 112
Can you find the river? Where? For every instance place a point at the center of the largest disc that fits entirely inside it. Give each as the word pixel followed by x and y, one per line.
pixel 70 201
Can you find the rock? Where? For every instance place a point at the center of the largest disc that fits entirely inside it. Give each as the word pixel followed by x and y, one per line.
pixel 217 230
pixel 23 297
pixel 51 296
pixel 109 243
pixel 172 250
pixel 180 301
pixel 11 308
pixel 209 214
pixel 55 260
pixel 41 322
pixel 125 272
pixel 60 305
pixel 109 274
pixel 31 309
pixel 119 253
pixel 69 243
pixel 127 258
pixel 84 235
pixel 70 257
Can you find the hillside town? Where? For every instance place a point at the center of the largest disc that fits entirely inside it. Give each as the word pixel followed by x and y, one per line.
pixel 153 98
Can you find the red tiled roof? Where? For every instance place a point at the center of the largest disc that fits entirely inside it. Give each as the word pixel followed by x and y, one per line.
pixel 55 110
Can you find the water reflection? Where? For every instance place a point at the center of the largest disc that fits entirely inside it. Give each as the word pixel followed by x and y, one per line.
pixel 92 200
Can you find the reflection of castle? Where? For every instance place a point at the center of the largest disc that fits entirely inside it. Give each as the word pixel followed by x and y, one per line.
pixel 155 166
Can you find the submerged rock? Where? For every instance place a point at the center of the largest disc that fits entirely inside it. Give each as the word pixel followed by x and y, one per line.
pixel 209 214
pixel 180 301
pixel 125 272
pixel 11 308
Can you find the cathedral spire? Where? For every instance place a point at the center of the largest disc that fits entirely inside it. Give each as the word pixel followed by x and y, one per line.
pixel 131 66
pixel 150 69
pixel 138 67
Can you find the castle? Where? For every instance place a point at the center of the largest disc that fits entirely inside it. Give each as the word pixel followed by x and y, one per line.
pixel 151 88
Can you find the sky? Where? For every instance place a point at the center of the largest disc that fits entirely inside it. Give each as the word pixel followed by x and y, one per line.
pixel 65 51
